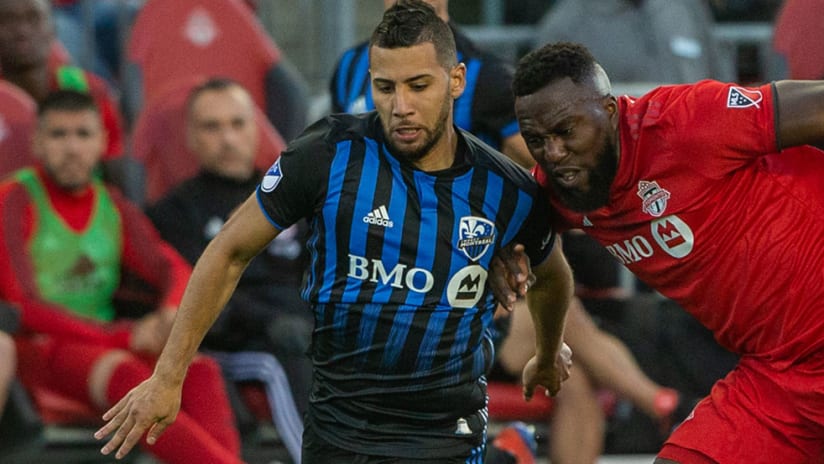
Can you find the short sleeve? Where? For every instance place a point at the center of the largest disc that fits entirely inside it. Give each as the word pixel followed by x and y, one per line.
pixel 722 126
pixel 537 234
pixel 293 187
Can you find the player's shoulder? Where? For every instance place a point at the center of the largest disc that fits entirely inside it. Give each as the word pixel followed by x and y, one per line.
pixel 482 156
pixel 324 135
pixel 679 92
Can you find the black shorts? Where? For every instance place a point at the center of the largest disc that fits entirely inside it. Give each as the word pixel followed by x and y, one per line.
pixel 318 451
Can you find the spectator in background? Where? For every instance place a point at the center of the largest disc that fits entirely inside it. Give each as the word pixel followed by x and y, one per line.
pixel 26 38
pixel 217 38
pixel 103 51
pixel 266 312
pixel 67 242
pixel 661 41
pixel 485 109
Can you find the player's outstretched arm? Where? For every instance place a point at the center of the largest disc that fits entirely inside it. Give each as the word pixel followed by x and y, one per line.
pixel 154 404
pixel 548 299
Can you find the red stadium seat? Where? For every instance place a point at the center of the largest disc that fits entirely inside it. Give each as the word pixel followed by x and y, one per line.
pixel 18 114
pixel 506 403
pixel 173 39
pixel 159 140
pixel 799 37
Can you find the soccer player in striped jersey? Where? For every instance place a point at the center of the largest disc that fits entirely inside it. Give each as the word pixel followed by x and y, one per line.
pixel 406 212
pixel 486 108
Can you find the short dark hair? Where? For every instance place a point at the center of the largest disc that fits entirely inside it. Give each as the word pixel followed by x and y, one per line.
pixel 67 100
pixel 212 84
pixel 550 63
pixel 413 22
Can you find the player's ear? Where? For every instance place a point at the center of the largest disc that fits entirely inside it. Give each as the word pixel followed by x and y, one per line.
pixel 611 107
pixel 457 80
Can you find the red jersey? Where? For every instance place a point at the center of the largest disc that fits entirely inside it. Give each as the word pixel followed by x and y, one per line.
pixel 143 254
pixel 705 210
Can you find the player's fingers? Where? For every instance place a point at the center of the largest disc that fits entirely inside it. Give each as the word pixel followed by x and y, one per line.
pixel 114 410
pixel 529 390
pixel 517 264
pixel 122 423
pixel 499 284
pixel 156 431
pixel 553 387
pixel 131 439
pixel 113 422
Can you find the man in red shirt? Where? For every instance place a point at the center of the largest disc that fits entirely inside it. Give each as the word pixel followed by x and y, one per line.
pixel 710 194
pixel 26 38
pixel 67 241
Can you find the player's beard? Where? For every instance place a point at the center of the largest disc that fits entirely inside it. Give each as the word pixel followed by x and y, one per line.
pixel 599 181
pixel 432 137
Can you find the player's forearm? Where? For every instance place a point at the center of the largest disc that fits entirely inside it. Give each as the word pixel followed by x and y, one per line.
pixel 213 280
pixel 548 300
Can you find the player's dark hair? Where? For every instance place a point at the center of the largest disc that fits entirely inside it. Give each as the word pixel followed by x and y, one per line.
pixel 213 84
pixel 67 100
pixel 550 63
pixel 413 22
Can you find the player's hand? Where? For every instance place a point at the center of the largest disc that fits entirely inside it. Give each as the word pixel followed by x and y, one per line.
pixel 548 375
pixel 151 406
pixel 510 275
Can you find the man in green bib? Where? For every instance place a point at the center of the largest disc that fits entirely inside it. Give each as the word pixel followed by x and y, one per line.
pixel 67 241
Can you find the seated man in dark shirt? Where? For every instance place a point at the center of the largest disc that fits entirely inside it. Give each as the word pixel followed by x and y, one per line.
pixel 266 312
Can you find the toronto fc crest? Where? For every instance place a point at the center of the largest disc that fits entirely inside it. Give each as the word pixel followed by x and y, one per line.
pixel 654 198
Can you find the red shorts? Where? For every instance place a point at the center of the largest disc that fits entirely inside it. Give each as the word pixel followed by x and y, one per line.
pixel 757 414
pixel 61 366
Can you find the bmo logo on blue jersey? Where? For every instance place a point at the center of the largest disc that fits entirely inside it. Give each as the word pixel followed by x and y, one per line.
pixel 400 276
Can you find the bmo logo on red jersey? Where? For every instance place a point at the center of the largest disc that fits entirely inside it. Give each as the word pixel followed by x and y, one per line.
pixel 673 235
pixel 670 233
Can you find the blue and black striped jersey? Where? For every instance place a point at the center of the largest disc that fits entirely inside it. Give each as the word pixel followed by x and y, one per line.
pixel 399 261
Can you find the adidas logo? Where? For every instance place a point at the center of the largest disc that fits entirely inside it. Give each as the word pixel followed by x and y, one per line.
pixel 379 217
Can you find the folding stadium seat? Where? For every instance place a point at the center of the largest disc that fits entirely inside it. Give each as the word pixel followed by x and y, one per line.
pixel 159 140
pixel 18 113
pixel 172 39
pixel 798 37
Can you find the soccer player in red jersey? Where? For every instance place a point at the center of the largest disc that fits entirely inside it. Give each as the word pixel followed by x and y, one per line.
pixel 712 194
